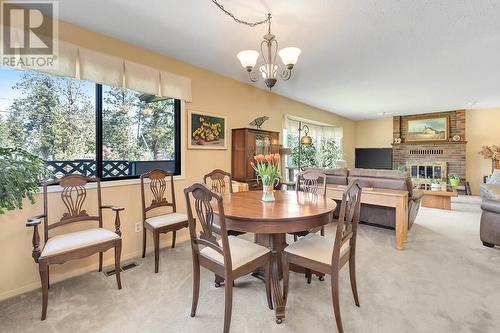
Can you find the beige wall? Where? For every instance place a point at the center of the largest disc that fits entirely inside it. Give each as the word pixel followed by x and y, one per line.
pixel 212 93
pixel 482 128
pixel 374 133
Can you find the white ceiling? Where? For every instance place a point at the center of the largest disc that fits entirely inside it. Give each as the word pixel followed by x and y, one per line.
pixel 360 58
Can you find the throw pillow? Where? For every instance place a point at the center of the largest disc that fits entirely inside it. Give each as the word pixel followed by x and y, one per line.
pixel 494 178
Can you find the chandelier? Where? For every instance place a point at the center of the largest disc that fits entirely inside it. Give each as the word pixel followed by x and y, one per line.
pixel 269 69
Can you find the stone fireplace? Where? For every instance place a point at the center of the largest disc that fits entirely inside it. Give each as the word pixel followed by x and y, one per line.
pixel 427 161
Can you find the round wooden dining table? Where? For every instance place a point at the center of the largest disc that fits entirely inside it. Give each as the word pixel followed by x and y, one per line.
pixel 271 221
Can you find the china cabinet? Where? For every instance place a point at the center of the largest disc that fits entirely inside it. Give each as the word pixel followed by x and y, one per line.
pixel 246 143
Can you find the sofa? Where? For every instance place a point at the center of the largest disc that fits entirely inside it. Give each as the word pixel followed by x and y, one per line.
pixel 490 217
pixel 388 179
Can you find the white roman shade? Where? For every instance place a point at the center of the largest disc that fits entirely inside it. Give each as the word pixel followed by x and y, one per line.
pixel 100 68
pixel 66 61
pixel 175 86
pixel 85 64
pixel 142 78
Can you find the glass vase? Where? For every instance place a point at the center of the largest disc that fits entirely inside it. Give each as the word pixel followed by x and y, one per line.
pixel 268 193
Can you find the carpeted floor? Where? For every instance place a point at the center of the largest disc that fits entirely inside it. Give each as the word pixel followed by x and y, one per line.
pixel 445 281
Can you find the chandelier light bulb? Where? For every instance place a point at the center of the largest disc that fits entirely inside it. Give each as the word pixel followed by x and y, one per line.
pixel 289 56
pixel 248 59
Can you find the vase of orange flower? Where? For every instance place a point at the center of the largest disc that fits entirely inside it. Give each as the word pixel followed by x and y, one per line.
pixel 267 168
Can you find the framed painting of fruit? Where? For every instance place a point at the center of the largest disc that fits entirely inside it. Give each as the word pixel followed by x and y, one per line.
pixel 206 131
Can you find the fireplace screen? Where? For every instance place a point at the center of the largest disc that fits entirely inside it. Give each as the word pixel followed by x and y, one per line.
pixel 423 174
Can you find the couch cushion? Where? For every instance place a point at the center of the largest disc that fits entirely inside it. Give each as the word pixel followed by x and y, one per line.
pixel 242 252
pixel 76 240
pixel 490 192
pixel 375 173
pixel 333 176
pixel 167 219
pixel 494 178
pixel 315 247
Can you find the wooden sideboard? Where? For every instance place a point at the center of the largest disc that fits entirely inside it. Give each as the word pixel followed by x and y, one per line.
pixel 246 143
pixel 382 197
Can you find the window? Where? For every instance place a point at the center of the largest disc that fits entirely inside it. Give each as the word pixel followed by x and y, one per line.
pixel 87 128
pixel 324 152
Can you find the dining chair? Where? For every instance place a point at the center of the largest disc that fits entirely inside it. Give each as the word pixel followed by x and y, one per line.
pixel 311 181
pixel 329 254
pixel 63 247
pixel 166 222
pixel 221 181
pixel 229 257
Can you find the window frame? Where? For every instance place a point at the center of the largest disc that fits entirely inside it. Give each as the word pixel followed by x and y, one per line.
pixel 99 133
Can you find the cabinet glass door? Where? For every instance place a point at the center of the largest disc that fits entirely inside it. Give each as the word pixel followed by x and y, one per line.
pixel 262 144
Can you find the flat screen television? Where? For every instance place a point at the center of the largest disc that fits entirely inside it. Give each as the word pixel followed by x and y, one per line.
pixel 373 158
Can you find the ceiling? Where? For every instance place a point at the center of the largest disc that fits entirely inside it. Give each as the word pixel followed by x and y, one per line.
pixel 360 59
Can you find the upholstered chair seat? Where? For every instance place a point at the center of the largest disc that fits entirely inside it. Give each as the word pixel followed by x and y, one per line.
pixel 242 252
pixel 316 247
pixel 77 240
pixel 167 219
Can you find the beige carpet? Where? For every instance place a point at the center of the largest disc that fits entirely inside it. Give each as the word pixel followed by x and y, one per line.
pixel 445 281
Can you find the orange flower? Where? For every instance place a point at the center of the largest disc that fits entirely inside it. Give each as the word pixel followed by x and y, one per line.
pixel 259 158
pixel 277 157
pixel 252 164
pixel 269 158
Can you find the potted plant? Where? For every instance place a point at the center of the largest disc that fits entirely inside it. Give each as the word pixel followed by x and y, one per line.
pixel 435 184
pixel 20 177
pixel 454 180
pixel 268 171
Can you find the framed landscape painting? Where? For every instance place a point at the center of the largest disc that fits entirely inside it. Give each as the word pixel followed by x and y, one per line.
pixel 427 128
pixel 206 131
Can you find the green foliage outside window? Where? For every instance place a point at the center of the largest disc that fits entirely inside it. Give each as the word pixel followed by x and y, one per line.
pixel 322 153
pixel 54 118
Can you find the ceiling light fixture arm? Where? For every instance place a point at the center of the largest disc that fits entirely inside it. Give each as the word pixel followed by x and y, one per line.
pixel 237 20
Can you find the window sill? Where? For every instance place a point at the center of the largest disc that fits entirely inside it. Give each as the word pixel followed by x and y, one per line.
pixel 106 184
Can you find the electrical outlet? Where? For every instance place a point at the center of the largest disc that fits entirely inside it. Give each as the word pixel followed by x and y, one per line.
pixel 138 227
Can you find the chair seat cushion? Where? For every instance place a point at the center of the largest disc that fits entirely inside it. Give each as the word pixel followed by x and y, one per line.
pixel 76 240
pixel 242 252
pixel 167 219
pixel 315 247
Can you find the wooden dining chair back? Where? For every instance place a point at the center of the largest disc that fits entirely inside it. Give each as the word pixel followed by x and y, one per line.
pixel 219 181
pixel 62 247
pixel 329 254
pixel 311 181
pixel 160 190
pixel 204 212
pixel 347 225
pixel 227 256
pixel 314 182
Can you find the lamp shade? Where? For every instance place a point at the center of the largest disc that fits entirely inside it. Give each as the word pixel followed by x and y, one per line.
pixel 306 140
pixel 289 55
pixel 248 58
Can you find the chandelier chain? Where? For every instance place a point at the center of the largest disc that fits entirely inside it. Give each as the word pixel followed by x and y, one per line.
pixel 237 20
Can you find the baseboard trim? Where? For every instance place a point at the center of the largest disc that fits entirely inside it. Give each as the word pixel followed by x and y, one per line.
pixel 80 271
